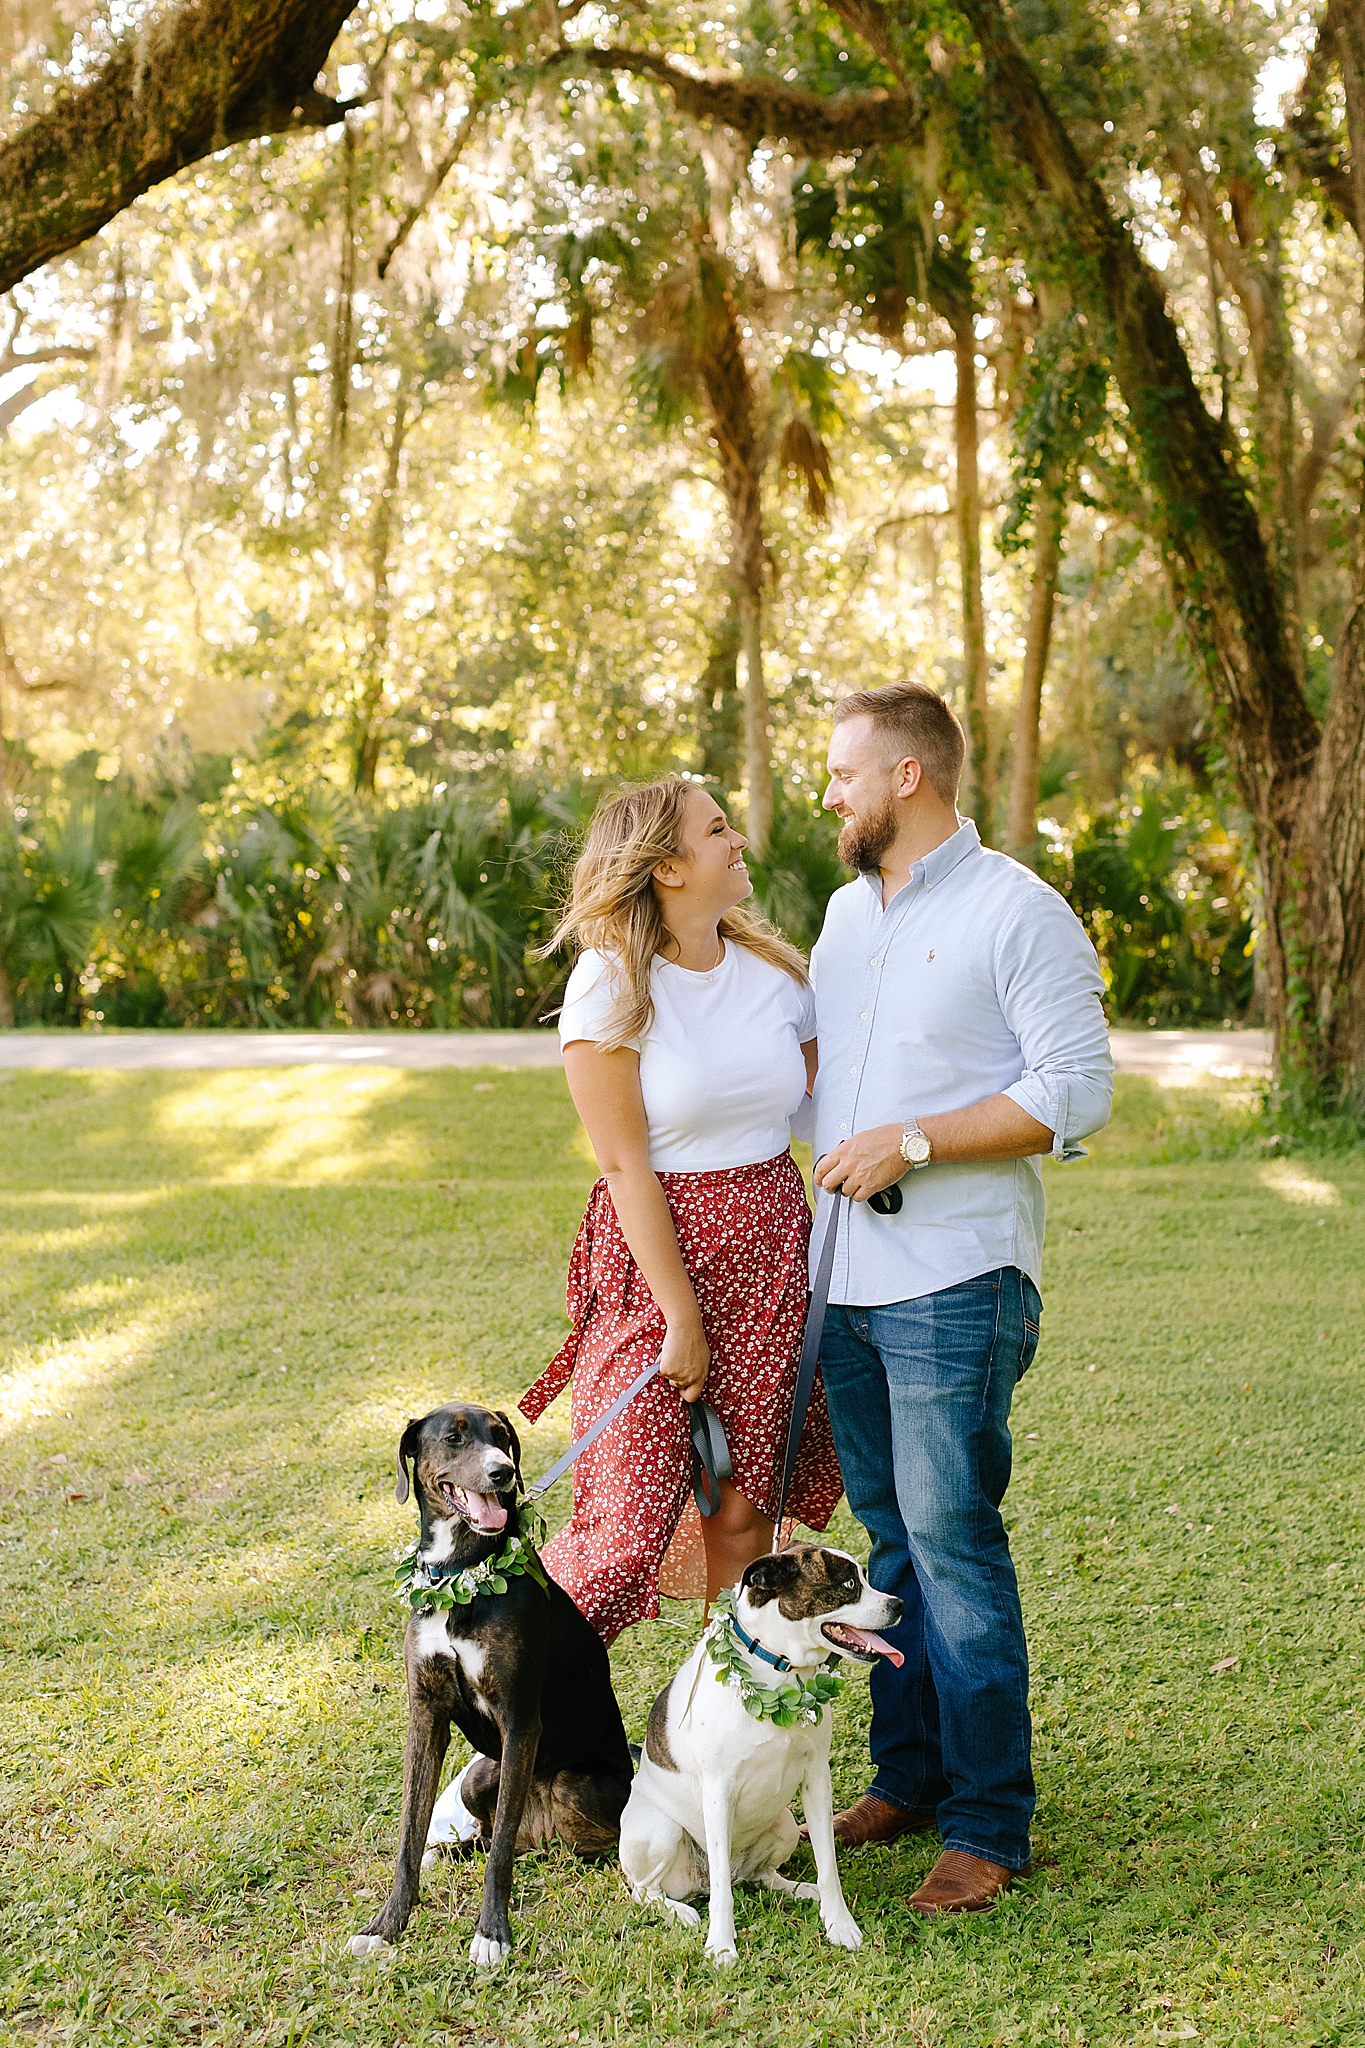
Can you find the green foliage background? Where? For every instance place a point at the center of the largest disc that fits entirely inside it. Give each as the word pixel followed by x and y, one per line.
pixel 308 906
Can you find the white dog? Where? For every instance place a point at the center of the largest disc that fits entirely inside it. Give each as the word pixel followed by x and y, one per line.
pixel 710 1806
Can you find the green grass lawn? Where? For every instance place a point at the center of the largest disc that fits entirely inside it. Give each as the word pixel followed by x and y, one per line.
pixel 220 1297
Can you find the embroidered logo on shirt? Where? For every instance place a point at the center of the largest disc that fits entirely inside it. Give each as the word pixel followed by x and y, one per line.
pixel 931 952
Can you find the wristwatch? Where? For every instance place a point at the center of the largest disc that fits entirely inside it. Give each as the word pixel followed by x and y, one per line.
pixel 916 1149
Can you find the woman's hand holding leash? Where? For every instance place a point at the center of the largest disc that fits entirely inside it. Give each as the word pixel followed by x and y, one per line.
pixel 685 1357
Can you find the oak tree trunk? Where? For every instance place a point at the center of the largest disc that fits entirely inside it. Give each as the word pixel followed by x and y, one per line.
pixel 722 708
pixel 1323 919
pixel 758 769
pixel 1022 829
pixel 733 402
pixel 980 784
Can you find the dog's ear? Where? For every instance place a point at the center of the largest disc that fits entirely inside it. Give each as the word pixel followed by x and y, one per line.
pixel 505 1419
pixel 407 1449
pixel 766 1577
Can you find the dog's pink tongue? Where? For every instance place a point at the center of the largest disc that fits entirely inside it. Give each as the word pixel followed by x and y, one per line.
pixel 486 1511
pixel 867 1641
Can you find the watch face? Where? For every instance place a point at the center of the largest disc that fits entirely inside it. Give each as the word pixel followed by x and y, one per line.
pixel 917 1148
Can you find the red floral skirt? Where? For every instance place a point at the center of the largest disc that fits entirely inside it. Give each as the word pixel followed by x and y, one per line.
pixel 743 1236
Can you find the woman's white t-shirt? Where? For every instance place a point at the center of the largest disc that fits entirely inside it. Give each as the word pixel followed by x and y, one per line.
pixel 721 1068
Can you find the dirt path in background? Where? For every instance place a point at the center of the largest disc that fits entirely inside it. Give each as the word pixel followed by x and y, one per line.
pixel 1171 1057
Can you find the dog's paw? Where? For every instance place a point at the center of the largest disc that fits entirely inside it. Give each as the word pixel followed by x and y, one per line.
pixel 806 1891
pixel 486 1952
pixel 369 1947
pixel 722 1956
pixel 844 1931
pixel 679 1910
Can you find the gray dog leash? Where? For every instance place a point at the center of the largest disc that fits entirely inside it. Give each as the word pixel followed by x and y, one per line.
pixel 887 1202
pixel 710 1452
pixel 590 1436
pixel 810 1353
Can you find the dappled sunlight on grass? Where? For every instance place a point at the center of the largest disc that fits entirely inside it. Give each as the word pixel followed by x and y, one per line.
pixel 382 1418
pixel 74 1237
pixel 1294 1184
pixel 193 1734
pixel 304 1125
pixel 41 1389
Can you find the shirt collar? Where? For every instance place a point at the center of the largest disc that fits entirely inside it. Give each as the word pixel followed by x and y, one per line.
pixel 938 865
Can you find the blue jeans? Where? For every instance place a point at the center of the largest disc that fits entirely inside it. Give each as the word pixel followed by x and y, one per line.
pixel 919 1396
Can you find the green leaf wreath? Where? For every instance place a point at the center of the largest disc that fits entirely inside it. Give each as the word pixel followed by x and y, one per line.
pixel 791 1700
pixel 423 1592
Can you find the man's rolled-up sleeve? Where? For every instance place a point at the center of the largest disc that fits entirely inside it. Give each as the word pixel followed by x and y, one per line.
pixel 1051 992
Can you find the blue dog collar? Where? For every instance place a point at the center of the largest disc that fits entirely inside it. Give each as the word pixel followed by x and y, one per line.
pixel 756 1649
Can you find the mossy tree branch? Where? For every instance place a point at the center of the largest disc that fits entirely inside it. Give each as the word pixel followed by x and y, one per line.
pixel 755 105
pixel 209 74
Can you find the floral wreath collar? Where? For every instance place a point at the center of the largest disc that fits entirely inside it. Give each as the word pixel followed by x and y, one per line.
pixel 435 1588
pixel 791 1700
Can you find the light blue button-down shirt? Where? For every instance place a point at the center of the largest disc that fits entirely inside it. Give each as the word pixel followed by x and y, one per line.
pixel 975 980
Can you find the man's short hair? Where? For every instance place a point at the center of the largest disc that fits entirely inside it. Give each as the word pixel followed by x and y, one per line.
pixel 910 719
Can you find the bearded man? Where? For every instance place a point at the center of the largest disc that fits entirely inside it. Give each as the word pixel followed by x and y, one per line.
pixel 961 1037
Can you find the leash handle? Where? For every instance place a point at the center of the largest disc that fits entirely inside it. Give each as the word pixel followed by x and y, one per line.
pixel 710 1451
pixel 590 1436
pixel 810 1352
pixel 710 1456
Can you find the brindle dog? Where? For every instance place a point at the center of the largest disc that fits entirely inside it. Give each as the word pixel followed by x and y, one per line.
pixel 520 1674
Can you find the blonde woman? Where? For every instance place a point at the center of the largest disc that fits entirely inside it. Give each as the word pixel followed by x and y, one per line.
pixel 688 1030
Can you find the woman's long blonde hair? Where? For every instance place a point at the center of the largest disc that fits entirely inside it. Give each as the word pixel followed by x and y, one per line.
pixel 613 908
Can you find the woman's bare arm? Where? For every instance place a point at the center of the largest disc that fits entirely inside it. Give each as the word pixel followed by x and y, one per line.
pixel 605 1087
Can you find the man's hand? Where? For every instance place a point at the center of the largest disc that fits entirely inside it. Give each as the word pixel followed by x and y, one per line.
pixel 994 1129
pixel 863 1165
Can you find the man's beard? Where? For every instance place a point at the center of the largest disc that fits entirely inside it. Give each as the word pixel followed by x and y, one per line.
pixel 863 841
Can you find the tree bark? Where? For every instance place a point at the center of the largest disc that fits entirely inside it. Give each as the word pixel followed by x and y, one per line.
pixel 722 711
pixel 733 402
pixel 1323 1037
pixel 369 723
pixel 343 338
pixel 1049 511
pixel 758 768
pixel 980 793
pixel 1319 153
pixel 211 73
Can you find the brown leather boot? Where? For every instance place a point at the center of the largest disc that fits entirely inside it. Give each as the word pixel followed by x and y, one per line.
pixel 875 1820
pixel 959 1883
